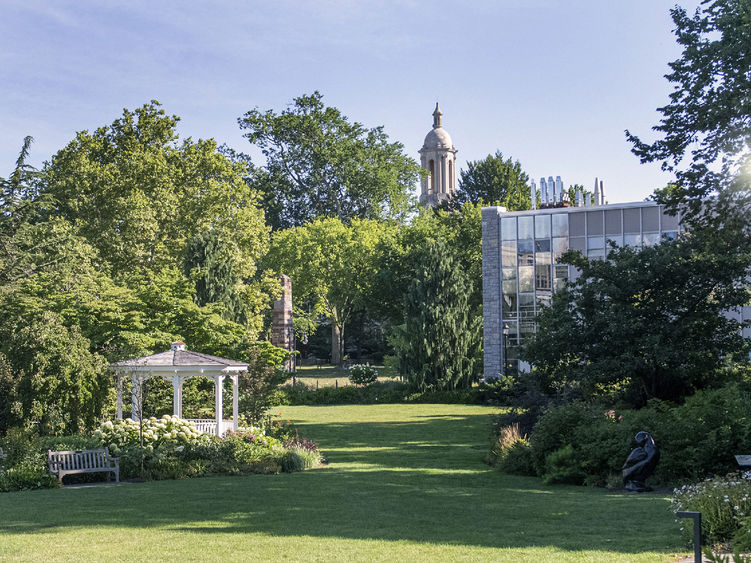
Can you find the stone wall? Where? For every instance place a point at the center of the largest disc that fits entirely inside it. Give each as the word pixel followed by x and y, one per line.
pixel 491 292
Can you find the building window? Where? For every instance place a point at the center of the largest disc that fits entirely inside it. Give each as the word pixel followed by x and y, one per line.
pixel 594 222
pixel 524 251
pixel 542 226
pixel 526 227
pixel 508 228
pixel 650 219
pixel 631 221
pixel 431 169
pixel 560 225
pixel 613 225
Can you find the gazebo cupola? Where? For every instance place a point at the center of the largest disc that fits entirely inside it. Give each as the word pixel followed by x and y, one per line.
pixel 177 365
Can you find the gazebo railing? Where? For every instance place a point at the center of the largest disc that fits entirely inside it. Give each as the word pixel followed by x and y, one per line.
pixel 208 425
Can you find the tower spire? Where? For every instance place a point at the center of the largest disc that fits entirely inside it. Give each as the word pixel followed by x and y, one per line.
pixel 437 117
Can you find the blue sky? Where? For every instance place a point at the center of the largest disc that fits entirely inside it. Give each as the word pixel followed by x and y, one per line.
pixel 552 84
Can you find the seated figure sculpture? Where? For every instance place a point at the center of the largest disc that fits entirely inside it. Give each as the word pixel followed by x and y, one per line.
pixel 640 463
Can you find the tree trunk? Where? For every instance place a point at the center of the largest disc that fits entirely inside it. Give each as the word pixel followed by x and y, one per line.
pixel 337 343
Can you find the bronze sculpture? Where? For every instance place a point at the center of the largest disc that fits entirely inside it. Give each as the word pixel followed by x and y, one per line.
pixel 640 464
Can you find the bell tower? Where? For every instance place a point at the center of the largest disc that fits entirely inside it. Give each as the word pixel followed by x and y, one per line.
pixel 438 157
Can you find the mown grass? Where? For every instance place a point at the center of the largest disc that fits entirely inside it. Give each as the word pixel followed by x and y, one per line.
pixel 404 482
pixel 332 376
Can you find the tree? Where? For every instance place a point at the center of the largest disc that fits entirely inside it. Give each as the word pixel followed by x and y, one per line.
pixel 258 385
pixel 332 267
pixel 136 194
pixel 55 380
pixel 217 279
pixel 18 189
pixel 495 180
pixel 400 250
pixel 706 127
pixel 645 323
pixel 438 347
pixel 318 164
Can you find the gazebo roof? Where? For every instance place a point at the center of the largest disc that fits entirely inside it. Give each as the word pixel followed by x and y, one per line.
pixel 179 357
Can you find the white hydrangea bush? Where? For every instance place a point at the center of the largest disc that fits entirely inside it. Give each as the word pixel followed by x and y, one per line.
pixel 167 432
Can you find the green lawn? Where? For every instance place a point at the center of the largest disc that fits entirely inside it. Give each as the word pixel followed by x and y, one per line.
pixel 405 482
pixel 331 376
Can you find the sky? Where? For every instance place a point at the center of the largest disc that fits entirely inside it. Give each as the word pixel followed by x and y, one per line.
pixel 553 84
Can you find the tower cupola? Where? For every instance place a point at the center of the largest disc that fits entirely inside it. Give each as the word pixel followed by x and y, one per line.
pixel 438 157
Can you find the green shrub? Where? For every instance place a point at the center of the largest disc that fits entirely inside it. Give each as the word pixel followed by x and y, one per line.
pixel 70 442
pixel 18 444
pixel 292 460
pixel 30 473
pixel 742 538
pixel 162 468
pixel 563 466
pixel 696 439
pixel 363 374
pixel 559 427
pixel 517 459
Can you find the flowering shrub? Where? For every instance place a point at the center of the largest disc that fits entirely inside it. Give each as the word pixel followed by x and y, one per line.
pixel 166 433
pixel 724 503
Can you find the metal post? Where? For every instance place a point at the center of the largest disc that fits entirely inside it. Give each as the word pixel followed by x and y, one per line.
pixel 696 516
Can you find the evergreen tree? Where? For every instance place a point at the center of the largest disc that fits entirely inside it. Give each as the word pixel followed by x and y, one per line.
pixel 208 260
pixel 438 347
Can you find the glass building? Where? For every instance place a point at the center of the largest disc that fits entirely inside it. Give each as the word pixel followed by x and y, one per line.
pixel 521 271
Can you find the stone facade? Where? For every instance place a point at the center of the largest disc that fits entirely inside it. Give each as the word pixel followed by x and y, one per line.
pixel 491 290
pixel 282 332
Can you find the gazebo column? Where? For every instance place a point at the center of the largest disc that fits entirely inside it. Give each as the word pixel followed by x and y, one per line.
pixel 219 414
pixel 235 400
pixel 177 396
pixel 119 379
pixel 135 409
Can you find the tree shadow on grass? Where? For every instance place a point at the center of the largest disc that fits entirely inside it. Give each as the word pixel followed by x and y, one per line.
pixel 414 481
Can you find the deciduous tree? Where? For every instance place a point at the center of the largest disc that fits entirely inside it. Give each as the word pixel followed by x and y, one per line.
pixel 705 129
pixel 332 266
pixel 495 180
pixel 645 323
pixel 319 164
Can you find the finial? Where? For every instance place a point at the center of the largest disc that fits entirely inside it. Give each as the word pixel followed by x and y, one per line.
pixel 437 117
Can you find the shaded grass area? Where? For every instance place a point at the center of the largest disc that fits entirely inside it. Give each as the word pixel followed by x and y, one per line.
pixel 404 481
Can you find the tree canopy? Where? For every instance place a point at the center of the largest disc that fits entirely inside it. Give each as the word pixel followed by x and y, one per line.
pixel 705 129
pixel 128 239
pixel 333 268
pixel 495 180
pixel 136 193
pixel 319 164
pixel 645 323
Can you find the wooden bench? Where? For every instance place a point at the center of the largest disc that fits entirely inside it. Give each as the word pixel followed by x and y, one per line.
pixel 83 461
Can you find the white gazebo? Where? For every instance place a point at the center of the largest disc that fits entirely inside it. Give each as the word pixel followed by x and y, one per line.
pixel 177 365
